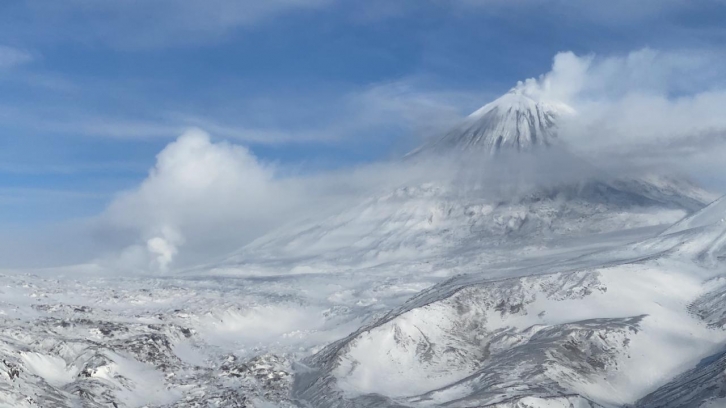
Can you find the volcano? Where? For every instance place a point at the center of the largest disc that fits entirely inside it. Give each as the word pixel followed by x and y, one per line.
pixel 516 121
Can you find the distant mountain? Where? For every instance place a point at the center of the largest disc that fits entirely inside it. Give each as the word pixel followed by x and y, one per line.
pixel 534 194
pixel 439 222
pixel 515 121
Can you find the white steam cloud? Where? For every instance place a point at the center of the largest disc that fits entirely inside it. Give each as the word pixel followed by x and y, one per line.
pixel 668 104
pixel 163 248
pixel 565 81
pixel 197 189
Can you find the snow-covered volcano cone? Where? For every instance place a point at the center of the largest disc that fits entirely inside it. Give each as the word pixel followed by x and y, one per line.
pixel 516 121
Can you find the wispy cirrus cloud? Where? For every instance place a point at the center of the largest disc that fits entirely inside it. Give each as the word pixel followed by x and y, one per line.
pixel 411 108
pixel 151 23
pixel 12 57
pixel 615 12
pixel 154 24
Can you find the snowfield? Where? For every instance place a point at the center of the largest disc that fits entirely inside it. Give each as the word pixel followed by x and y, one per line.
pixel 598 292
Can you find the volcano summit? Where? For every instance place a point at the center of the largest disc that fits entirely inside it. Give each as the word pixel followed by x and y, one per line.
pixel 517 121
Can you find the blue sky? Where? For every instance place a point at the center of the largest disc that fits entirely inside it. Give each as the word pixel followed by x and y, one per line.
pixel 91 91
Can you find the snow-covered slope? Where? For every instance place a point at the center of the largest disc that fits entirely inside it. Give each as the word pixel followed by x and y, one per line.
pixel 505 285
pixel 444 221
pixel 515 121
pixel 588 323
pixel 609 328
pixel 88 341
pixel 705 384
pixel 587 330
pixel 715 213
pixel 528 198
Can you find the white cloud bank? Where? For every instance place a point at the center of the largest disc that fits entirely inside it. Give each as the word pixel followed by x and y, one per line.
pixel 196 190
pixel 204 199
pixel 649 106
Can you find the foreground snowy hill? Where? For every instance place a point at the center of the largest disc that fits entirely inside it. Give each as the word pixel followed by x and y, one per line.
pixel 604 329
pixel 627 318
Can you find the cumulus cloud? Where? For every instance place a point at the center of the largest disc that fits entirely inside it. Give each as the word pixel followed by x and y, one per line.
pixel 197 189
pixel 618 13
pixel 204 199
pixel 666 103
